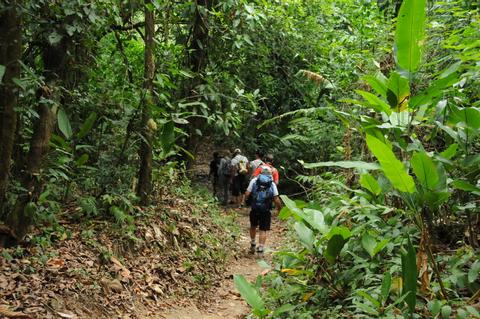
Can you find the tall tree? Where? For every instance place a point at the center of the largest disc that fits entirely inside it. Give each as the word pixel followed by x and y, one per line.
pixel 145 152
pixel 197 60
pixel 10 54
pixel 57 71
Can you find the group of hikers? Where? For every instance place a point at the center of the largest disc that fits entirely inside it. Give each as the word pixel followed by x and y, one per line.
pixel 252 183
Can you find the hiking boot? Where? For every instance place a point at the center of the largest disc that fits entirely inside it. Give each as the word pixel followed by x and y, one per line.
pixel 252 249
pixel 260 250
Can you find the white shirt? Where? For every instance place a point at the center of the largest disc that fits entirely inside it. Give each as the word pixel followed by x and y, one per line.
pixel 253 181
pixel 237 159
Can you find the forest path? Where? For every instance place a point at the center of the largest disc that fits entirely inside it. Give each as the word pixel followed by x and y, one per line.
pixel 227 302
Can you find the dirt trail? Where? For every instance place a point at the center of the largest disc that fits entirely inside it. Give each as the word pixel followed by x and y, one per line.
pixel 228 302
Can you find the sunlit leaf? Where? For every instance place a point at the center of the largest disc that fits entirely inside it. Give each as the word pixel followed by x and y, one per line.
pixel 369 182
pixel 409 35
pixel 248 292
pixel 393 169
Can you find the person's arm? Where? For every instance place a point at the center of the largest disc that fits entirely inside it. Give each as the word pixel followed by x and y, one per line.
pixel 278 203
pixel 275 176
pixel 276 198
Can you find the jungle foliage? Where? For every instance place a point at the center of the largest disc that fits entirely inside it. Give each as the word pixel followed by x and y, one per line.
pixel 370 107
pixel 397 237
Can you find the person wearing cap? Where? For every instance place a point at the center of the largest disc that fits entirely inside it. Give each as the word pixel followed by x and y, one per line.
pixel 256 162
pixel 268 165
pixel 239 168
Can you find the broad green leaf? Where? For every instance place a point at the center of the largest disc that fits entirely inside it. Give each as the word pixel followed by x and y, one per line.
pixel 434 307
pixel 283 309
pixel 334 246
pixel 398 92
pixel 469 116
pixel 375 102
pixel 369 243
pixel 436 89
pixel 291 209
pixel 367 296
pixel 378 83
pixel 64 124
pixel 87 125
pixel 393 169
pixel 425 170
pixel 248 292
pixel 2 72
pixel 446 311
pixel 381 245
pixel 337 237
pixel 386 284
pixel 450 151
pixel 409 35
pixel 315 219
pixel 461 314
pixel 409 275
pixel 435 199
pixel 473 311
pixel 339 230
pixel 466 186
pixel 369 182
pixel 474 272
pixel 344 164
pixel 305 234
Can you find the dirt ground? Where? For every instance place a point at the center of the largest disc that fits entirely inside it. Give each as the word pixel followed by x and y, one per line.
pixel 228 303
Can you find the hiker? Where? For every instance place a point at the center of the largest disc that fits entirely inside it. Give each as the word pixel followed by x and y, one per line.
pixel 213 173
pixel 261 192
pixel 239 171
pixel 268 164
pixel 224 178
pixel 256 162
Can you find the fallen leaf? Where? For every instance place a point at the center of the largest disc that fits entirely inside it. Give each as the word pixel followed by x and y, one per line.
pixel 4 311
pixel 55 263
pixel 67 314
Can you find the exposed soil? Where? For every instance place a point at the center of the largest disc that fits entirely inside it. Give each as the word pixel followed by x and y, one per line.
pixel 227 302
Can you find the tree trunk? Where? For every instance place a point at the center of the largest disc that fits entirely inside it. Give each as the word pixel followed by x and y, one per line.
pixel 21 217
pixel 145 152
pixel 56 68
pixel 10 54
pixel 197 60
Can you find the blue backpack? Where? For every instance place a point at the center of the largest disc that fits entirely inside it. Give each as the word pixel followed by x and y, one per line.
pixel 262 193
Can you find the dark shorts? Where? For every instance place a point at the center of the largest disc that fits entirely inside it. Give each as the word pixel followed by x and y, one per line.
pixel 239 185
pixel 263 219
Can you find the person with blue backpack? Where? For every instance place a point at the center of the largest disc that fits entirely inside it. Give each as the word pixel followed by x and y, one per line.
pixel 261 192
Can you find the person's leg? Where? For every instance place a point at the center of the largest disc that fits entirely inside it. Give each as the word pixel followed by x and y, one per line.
pixel 262 238
pixel 253 233
pixel 236 190
pixel 265 219
pixel 215 185
pixel 254 220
